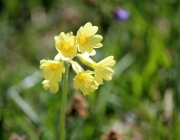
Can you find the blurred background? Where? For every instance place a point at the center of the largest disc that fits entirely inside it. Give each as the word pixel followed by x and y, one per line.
pixel 142 102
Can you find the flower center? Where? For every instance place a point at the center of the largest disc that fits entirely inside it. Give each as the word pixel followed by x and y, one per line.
pixel 54 66
pixel 82 77
pixel 65 47
pixel 82 40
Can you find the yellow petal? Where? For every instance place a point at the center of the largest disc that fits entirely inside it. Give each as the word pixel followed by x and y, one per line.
pixel 54 87
pixel 94 40
pixel 46 84
pixel 108 61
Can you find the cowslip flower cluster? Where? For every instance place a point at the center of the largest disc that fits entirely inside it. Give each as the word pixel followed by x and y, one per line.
pixel 82 46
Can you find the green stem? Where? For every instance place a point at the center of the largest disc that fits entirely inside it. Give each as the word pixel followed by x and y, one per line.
pixel 63 103
pixel 88 62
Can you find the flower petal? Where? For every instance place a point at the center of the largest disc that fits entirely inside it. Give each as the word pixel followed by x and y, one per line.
pixel 94 40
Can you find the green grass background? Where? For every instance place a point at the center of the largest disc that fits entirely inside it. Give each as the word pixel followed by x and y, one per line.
pixel 142 101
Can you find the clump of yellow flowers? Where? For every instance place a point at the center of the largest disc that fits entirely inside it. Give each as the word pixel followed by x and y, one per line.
pixel 82 46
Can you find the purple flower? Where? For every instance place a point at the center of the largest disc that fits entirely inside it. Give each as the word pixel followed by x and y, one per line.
pixel 121 14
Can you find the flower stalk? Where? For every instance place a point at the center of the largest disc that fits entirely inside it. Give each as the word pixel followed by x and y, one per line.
pixel 63 102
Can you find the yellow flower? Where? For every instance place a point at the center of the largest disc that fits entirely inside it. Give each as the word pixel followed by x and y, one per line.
pixel 53 86
pixel 52 70
pixel 87 39
pixel 85 82
pixel 66 44
pixel 102 69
